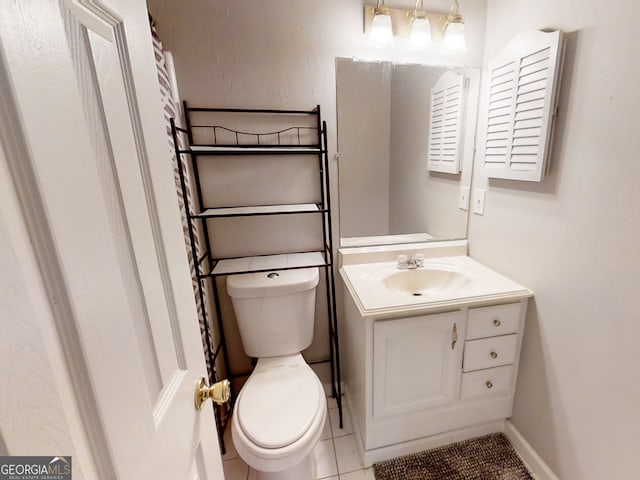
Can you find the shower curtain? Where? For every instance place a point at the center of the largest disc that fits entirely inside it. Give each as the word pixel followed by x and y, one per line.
pixel 172 109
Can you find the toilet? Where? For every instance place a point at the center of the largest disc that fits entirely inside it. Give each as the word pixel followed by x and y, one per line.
pixel 280 411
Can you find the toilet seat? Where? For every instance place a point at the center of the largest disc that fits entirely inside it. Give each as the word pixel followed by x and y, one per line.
pixel 279 404
pixel 277 459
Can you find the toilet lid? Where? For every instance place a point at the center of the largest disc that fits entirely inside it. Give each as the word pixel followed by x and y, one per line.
pixel 277 407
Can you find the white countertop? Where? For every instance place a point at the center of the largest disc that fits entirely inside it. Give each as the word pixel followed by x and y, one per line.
pixel 365 282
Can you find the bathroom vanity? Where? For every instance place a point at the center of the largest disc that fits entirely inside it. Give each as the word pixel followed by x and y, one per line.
pixel 431 353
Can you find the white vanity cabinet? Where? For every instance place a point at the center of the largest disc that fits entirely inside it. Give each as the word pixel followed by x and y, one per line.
pixel 426 378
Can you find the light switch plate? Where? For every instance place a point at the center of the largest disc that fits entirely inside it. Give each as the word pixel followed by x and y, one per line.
pixel 463 201
pixel 478 201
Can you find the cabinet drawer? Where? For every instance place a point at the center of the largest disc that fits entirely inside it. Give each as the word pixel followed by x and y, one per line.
pixel 491 381
pixel 489 352
pixel 492 321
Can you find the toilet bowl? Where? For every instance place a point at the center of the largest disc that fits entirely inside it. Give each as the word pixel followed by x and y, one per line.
pixel 280 411
pixel 278 419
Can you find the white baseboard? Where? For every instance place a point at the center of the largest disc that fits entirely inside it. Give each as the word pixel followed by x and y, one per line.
pixel 355 426
pixel 369 457
pixel 428 443
pixel 530 457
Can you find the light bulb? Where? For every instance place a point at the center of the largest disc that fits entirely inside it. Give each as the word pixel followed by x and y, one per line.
pixel 454 41
pixel 381 34
pixel 420 35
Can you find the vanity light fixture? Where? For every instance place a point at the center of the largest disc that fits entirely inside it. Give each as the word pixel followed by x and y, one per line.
pixel 417 27
pixel 381 32
pixel 420 34
pixel 454 41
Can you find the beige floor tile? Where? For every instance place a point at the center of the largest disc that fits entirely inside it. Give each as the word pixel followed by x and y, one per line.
pixel 365 474
pixel 235 469
pixel 347 454
pixel 325 459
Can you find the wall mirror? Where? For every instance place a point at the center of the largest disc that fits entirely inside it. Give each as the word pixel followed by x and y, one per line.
pixel 387 192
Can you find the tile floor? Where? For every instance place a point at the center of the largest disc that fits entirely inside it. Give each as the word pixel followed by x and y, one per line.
pixel 336 453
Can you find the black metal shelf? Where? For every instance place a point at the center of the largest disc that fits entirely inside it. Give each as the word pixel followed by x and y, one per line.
pixel 261 210
pixel 279 111
pixel 252 150
pixel 291 138
pixel 268 263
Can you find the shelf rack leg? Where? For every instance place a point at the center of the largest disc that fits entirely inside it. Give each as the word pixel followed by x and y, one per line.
pixel 336 380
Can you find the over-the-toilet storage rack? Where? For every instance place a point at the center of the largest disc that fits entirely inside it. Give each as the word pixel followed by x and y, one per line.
pixel 230 133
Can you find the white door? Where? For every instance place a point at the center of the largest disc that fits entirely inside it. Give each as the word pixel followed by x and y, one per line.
pixel 96 191
pixel 416 362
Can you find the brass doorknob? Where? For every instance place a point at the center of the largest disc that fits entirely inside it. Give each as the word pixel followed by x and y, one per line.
pixel 219 392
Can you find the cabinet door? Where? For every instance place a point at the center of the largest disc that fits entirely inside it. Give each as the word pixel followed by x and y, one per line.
pixel 416 362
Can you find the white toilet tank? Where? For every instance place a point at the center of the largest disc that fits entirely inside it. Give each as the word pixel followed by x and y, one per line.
pixel 275 311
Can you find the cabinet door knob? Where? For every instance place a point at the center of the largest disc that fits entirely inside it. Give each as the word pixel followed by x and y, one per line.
pixel 497 322
pixel 494 355
pixel 489 384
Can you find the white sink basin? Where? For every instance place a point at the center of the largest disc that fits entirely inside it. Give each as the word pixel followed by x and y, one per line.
pixel 426 281
pixel 443 281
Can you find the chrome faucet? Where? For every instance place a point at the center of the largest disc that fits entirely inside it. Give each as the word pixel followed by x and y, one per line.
pixel 406 262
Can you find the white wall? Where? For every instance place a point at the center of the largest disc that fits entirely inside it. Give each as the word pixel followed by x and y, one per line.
pixel 573 240
pixel 281 53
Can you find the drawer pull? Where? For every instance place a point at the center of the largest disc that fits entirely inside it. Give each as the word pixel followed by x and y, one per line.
pixel 489 384
pixel 497 322
pixel 494 355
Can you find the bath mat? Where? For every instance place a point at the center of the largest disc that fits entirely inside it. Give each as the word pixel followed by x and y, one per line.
pixel 484 458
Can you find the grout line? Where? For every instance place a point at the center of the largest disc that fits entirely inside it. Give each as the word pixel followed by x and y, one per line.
pixel 333 442
pixel 335 454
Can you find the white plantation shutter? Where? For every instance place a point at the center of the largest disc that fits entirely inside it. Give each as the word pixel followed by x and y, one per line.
pixel 522 82
pixel 445 124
